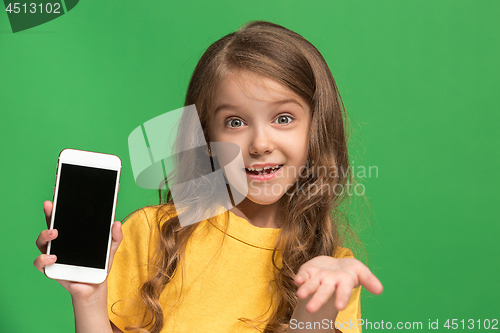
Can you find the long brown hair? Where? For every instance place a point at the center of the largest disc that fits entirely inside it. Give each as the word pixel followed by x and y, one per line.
pixel 311 225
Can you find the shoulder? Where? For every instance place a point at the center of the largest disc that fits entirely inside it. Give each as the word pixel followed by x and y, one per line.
pixel 342 252
pixel 148 216
pixel 140 235
pixel 143 225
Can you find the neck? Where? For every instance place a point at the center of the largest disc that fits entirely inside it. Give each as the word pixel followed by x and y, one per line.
pixel 262 216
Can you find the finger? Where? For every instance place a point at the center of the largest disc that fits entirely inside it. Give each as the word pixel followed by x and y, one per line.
pixel 343 295
pixel 44 238
pixel 370 281
pixel 308 288
pixel 47 209
pixel 117 237
pixel 321 296
pixel 301 277
pixel 44 260
pixel 116 232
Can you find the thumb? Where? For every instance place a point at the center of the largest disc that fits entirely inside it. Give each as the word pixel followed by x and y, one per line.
pixel 117 234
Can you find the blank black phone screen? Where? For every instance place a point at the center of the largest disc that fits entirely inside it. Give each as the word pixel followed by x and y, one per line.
pixel 83 215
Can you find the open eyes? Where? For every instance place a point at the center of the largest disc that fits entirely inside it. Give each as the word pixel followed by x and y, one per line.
pixel 236 122
pixel 283 120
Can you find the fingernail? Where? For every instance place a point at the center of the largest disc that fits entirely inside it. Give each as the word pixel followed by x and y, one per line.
pixel 51 232
pixel 52 257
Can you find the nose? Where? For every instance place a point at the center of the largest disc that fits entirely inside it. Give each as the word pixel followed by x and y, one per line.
pixel 262 143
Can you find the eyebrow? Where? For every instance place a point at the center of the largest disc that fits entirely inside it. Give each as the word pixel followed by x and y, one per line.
pixel 277 103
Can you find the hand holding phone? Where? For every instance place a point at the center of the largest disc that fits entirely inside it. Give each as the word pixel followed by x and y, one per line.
pixel 80 222
pixel 75 288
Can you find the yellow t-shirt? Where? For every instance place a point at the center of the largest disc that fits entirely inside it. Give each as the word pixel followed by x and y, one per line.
pixel 220 284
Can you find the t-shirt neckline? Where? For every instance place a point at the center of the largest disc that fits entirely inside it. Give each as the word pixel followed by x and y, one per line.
pixel 242 230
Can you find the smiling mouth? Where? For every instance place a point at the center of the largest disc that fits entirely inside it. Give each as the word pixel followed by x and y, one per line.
pixel 264 171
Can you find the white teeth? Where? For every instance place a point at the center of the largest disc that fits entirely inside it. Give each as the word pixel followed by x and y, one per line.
pixel 265 168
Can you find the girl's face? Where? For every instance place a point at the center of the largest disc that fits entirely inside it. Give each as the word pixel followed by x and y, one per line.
pixel 270 124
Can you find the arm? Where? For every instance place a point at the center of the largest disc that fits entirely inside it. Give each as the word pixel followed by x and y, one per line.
pixel 91 314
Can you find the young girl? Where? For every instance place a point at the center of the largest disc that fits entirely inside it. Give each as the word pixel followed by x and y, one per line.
pixel 273 262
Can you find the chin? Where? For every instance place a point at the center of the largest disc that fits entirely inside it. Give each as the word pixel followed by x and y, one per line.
pixel 264 199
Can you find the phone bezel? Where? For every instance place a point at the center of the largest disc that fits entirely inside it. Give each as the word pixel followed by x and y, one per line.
pixel 88 159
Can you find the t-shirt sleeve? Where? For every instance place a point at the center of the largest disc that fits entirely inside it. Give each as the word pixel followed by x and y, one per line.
pixel 347 319
pixel 129 270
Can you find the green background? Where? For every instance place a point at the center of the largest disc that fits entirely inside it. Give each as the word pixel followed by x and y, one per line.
pixel 419 80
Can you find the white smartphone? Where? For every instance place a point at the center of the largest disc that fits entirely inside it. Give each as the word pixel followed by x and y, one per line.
pixel 83 212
